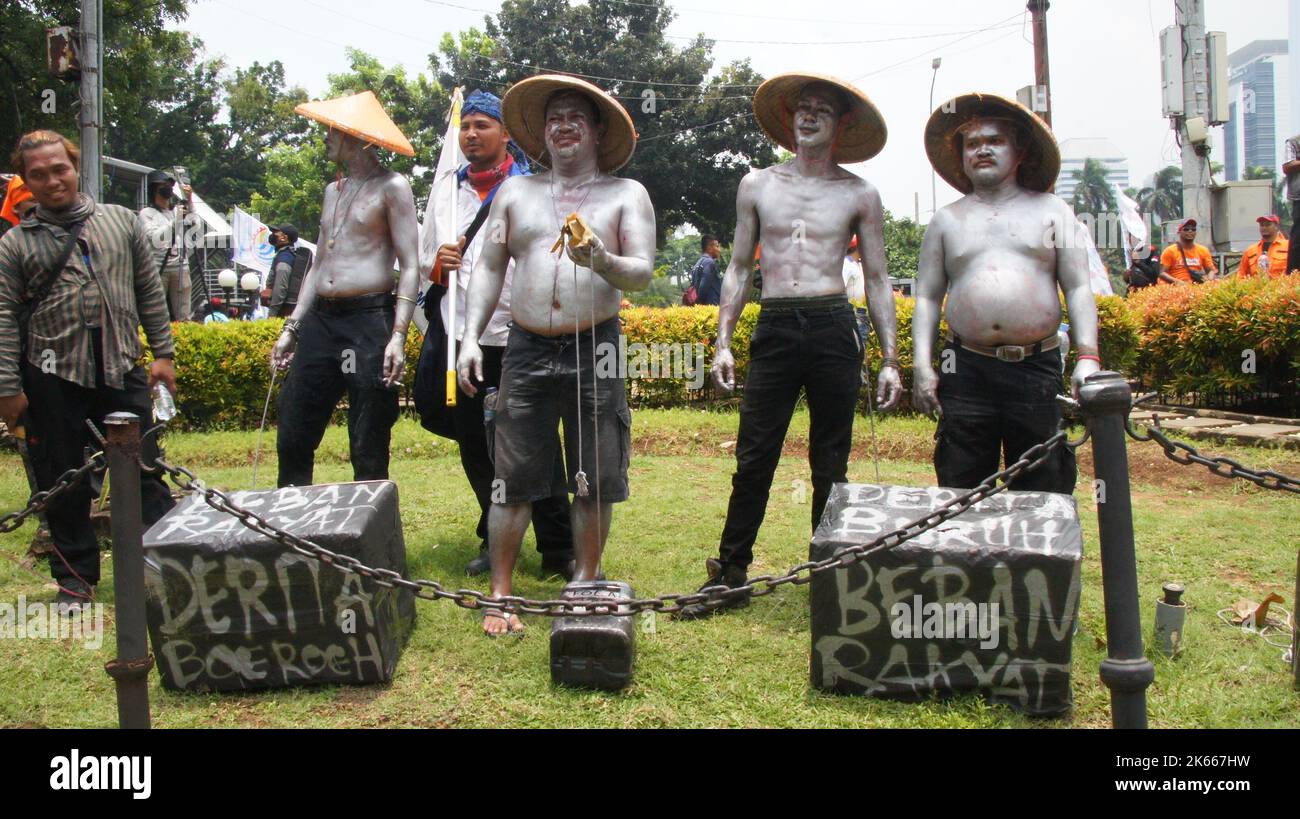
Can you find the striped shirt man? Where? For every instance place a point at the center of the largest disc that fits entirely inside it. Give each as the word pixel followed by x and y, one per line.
pixel 114 287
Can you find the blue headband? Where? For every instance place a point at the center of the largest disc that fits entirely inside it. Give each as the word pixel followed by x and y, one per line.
pixel 488 104
pixel 481 102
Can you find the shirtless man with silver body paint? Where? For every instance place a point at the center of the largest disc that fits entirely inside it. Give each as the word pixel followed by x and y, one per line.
pixel 804 212
pixel 549 302
pixel 346 305
pixel 999 255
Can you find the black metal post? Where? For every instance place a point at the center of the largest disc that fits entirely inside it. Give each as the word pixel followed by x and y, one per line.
pixel 130 671
pixel 1295 627
pixel 1106 400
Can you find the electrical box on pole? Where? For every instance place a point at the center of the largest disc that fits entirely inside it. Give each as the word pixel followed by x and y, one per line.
pixel 1216 48
pixel 1171 72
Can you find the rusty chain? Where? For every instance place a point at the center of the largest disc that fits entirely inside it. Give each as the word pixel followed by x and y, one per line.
pixel 40 500
pixel 1219 465
pixel 665 604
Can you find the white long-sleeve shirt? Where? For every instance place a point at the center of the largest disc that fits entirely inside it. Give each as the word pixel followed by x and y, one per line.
pixel 497 330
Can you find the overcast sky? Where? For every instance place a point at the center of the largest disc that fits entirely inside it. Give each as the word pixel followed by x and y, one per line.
pixel 1104 56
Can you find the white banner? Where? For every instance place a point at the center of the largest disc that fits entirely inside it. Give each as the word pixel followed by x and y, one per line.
pixel 1098 278
pixel 252 243
pixel 441 216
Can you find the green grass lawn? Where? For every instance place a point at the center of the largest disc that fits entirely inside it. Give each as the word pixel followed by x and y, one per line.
pixel 1224 540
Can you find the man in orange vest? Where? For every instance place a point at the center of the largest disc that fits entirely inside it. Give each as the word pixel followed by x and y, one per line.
pixel 1267 257
pixel 1186 262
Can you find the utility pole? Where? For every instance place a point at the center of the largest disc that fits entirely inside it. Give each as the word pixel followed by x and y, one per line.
pixel 1042 77
pixel 1294 57
pixel 1189 15
pixel 92 97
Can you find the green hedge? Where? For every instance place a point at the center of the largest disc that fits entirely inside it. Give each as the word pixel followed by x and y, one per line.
pixel 1196 339
pixel 223 371
pixel 1186 339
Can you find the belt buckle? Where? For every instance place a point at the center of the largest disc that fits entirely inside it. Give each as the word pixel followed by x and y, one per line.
pixel 1011 353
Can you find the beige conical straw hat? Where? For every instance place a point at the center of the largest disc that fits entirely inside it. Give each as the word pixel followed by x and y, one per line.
pixel 363 117
pixel 524 111
pixel 1042 162
pixel 862 137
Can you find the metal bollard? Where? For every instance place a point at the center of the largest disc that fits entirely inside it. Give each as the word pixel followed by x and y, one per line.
pixel 130 671
pixel 1171 615
pixel 1295 627
pixel 1106 400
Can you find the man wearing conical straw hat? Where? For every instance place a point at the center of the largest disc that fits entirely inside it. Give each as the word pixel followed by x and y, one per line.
pixel 564 303
pixel 348 332
pixel 804 212
pixel 999 255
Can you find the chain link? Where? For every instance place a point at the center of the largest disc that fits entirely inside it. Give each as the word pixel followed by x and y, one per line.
pixel 40 500
pixel 664 604
pixel 1185 454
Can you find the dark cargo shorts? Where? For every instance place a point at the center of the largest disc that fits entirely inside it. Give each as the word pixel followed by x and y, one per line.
pixel 539 388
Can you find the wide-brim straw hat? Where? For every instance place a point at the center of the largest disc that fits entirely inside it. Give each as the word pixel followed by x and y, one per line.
pixel 1042 161
pixel 523 110
pixel 862 136
pixel 363 117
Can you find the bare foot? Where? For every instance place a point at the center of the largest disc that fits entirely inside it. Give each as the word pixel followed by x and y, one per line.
pixel 496 623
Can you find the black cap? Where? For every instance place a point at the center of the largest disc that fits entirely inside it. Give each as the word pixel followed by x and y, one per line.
pixel 288 230
pixel 159 178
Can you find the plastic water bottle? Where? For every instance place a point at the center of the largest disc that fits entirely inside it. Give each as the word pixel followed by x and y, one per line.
pixel 164 408
pixel 489 404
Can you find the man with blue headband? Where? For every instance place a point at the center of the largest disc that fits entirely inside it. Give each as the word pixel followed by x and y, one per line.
pixel 492 158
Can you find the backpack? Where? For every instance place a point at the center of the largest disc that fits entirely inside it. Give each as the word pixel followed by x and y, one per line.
pixel 302 260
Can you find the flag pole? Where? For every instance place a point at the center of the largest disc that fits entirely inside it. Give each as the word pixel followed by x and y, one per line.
pixel 452 131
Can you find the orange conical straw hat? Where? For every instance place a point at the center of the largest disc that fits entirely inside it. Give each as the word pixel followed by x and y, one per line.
pixel 362 116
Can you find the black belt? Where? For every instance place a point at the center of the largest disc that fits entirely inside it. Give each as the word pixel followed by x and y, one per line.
pixel 352 304
pixel 806 304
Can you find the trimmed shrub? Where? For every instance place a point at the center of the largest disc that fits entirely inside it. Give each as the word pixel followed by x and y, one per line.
pixel 223 370
pixel 1187 339
pixel 1203 339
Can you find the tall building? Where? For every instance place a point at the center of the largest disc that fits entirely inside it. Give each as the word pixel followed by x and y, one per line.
pixel 1074 152
pixel 1259 108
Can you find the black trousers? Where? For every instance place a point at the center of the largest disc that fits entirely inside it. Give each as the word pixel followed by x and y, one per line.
pixel 337 353
pixel 56 439
pixel 994 409
pixel 1293 252
pixel 550 516
pixel 819 353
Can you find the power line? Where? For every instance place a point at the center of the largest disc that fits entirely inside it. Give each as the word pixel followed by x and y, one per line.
pixel 830 21
pixel 697 127
pixel 930 51
pixel 835 42
pixel 299 32
pixel 946 54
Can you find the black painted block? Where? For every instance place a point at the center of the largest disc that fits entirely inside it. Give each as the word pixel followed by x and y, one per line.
pixel 985 602
pixel 230 609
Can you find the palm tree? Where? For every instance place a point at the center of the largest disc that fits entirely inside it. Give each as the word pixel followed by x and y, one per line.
pixel 1093 192
pixel 1165 197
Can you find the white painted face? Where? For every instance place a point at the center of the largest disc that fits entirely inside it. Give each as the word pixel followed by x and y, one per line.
pixel 816 117
pixel 570 127
pixel 988 154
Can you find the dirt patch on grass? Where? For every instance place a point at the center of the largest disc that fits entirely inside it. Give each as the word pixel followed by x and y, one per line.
pixel 709 443
pixel 1147 461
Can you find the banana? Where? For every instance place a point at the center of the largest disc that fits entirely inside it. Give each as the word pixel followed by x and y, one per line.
pixel 578 231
